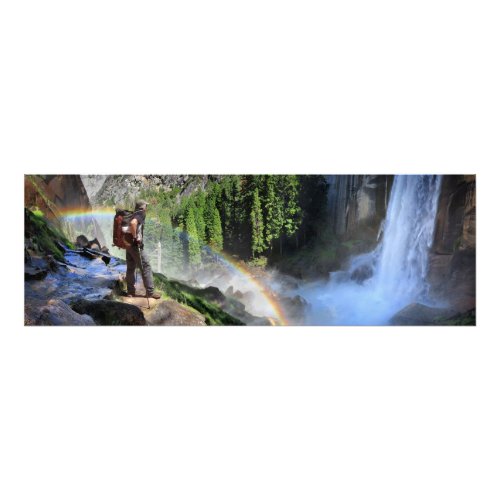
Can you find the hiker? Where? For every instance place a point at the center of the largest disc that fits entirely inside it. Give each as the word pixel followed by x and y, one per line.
pixel 135 253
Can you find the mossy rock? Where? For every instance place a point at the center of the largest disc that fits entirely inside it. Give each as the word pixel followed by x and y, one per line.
pixel 197 299
pixel 467 318
pixel 44 235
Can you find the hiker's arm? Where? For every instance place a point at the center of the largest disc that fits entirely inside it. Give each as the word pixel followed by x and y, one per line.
pixel 133 228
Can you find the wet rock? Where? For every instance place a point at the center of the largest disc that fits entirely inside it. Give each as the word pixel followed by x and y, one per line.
pixel 419 315
pixel 453 278
pixel 452 262
pixel 34 273
pixel 37 268
pixel 236 294
pixel 109 312
pixel 54 313
pixel 94 244
pixel 171 313
pixel 361 274
pixel 295 308
pixel 82 241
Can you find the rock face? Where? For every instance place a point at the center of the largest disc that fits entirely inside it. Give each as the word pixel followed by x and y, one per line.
pixel 93 183
pixel 54 195
pixel 358 204
pixel 452 262
pixel 123 190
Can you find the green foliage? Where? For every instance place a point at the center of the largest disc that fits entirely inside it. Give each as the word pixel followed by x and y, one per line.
pixel 258 262
pixel 213 222
pixel 194 250
pixel 230 212
pixel 44 235
pixel 198 206
pixel 292 211
pixel 185 294
pixel 257 225
pixel 244 215
pixel 273 211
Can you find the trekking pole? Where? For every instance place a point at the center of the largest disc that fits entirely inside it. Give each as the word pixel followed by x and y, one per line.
pixel 142 272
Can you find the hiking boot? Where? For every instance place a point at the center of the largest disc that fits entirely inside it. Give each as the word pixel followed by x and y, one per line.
pixel 153 295
pixel 129 295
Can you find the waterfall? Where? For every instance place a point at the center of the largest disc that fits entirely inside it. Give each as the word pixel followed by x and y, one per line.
pixel 409 230
pixel 378 284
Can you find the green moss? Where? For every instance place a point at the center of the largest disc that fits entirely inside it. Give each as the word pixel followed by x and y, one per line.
pixel 465 319
pixel 184 294
pixel 44 235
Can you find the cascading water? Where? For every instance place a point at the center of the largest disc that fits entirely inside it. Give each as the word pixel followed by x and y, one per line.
pixel 380 283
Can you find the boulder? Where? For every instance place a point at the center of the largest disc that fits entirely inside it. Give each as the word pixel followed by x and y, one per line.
pixel 94 244
pixel 295 308
pixel 361 274
pixel 54 313
pixel 417 314
pixel 34 273
pixel 82 241
pixel 109 312
pixel 171 313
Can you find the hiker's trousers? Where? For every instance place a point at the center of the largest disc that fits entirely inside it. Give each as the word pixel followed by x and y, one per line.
pixel 134 261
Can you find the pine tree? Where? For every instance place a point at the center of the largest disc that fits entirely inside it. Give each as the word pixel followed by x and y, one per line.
pixel 194 253
pixel 257 225
pixel 274 212
pixel 292 212
pixel 214 236
pixel 230 212
pixel 199 208
pixel 176 256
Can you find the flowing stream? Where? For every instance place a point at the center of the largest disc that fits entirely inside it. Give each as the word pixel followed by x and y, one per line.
pixel 378 284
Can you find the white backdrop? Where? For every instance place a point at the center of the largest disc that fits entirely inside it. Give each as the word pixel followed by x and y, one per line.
pixel 255 87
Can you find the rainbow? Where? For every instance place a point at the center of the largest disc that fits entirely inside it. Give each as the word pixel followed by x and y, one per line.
pixel 229 262
pixel 263 291
pixel 76 213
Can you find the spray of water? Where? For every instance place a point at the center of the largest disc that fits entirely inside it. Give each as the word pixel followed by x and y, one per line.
pixel 378 284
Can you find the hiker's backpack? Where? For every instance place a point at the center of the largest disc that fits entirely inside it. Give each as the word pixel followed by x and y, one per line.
pixel 121 228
